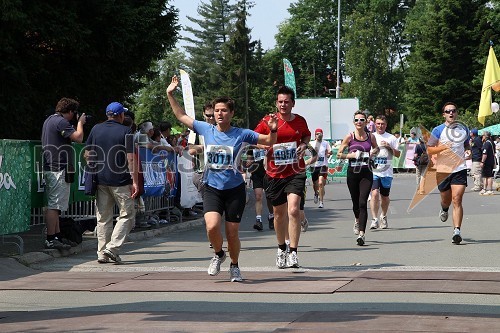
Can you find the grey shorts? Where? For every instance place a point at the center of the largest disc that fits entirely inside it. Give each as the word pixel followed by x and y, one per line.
pixel 56 190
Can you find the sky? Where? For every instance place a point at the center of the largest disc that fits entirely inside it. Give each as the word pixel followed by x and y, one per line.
pixel 265 17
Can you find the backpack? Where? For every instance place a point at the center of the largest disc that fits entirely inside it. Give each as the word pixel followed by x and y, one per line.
pixel 423 159
pixel 71 229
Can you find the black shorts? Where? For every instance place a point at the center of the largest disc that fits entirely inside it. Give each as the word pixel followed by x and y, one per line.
pixel 487 171
pixel 230 202
pixel 319 171
pixel 445 180
pixel 257 176
pixel 303 199
pixel 277 189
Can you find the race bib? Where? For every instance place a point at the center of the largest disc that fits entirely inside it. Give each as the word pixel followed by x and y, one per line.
pixel 380 160
pixel 285 153
pixel 259 154
pixel 362 160
pixel 219 157
pixel 321 159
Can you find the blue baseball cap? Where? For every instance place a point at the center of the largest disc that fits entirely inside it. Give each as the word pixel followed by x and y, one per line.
pixel 115 109
pixel 474 131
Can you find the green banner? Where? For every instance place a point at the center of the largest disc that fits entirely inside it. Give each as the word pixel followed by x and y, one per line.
pixel 15 186
pixel 289 76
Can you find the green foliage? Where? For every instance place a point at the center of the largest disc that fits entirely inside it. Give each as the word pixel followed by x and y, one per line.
pixel 447 38
pixel 90 50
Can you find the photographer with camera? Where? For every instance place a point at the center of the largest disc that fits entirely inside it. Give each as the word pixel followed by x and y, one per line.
pixel 58 168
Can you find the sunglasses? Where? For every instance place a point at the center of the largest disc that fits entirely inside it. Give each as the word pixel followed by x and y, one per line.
pixel 209 115
pixel 450 111
pixel 356 120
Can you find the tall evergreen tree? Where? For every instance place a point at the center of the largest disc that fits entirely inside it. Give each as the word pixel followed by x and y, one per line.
pixel 206 55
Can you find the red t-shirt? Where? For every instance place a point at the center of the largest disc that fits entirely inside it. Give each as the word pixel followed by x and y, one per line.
pixel 284 162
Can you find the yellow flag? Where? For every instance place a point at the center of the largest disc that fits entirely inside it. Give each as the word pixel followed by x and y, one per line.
pixel 491 76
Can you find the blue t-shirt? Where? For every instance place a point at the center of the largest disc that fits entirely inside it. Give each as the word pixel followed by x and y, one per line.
pixel 221 150
pixel 111 141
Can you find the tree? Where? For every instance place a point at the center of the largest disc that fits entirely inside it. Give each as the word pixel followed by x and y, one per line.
pixel 446 38
pixel 206 49
pixel 374 54
pixel 93 51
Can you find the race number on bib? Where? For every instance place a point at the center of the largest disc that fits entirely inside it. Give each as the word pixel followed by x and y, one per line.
pixel 219 157
pixel 285 153
pixel 259 154
pixel 362 160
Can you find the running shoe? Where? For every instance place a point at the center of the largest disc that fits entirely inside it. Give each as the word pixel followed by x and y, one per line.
pixel 215 263
pixel 56 244
pixel 489 193
pixel 457 237
pixel 316 198
pixel 374 224
pixel 482 192
pixel 361 240
pixel 356 227
pixel 281 259
pixel 258 225
pixel 235 274
pixel 321 204
pixel 292 260
pixel 383 222
pixel 102 260
pixel 111 255
pixel 304 225
pixel 270 219
pixel 443 215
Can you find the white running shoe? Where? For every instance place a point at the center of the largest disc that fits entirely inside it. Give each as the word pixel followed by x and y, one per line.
pixel 215 262
pixel 235 274
pixel 304 225
pixel 361 240
pixel 374 224
pixel 281 259
pixel 321 204
pixel 292 260
pixel 356 227
pixel 443 216
pixel 457 237
pixel 383 222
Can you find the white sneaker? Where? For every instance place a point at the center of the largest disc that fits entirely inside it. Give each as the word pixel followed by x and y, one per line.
pixel 235 274
pixel 281 259
pixel 214 267
pixel 292 260
pixel 360 240
pixel 383 222
pixel 457 237
pixel 443 216
pixel 482 192
pixel 490 192
pixel 304 225
pixel 356 227
pixel 374 224
pixel 320 204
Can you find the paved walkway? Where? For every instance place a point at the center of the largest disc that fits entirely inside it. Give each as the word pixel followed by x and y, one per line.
pixel 409 278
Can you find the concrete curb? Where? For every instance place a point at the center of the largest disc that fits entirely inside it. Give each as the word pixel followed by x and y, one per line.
pixel 88 245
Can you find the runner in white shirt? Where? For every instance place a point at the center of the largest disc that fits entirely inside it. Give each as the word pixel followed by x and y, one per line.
pixel 382 172
pixel 321 167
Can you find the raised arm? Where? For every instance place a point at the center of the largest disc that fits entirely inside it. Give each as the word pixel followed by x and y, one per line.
pixel 270 139
pixel 179 112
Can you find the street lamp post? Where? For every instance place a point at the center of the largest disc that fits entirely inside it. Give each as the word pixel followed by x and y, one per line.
pixel 337 90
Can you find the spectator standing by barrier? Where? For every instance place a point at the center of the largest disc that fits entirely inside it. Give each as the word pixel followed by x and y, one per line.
pixel 421 161
pixel 58 168
pixel 359 173
pixel 320 171
pixel 225 188
pixel 450 142
pixel 286 177
pixel 111 144
pixel 382 173
pixel 487 164
pixel 476 146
